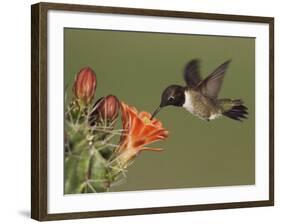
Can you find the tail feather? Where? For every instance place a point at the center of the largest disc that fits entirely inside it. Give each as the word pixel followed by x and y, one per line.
pixel 235 109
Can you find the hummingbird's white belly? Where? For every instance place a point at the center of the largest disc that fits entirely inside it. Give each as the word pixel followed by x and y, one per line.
pixel 214 116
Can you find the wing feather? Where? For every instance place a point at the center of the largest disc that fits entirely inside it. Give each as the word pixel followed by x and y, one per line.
pixel 192 74
pixel 211 86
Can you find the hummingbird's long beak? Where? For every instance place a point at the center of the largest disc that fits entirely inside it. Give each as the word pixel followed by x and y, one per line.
pixel 155 112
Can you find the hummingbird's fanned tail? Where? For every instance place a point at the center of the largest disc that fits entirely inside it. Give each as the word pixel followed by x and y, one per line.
pixel 234 109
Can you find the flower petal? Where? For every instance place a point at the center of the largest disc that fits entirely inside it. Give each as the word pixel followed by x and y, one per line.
pixel 139 132
pixel 152 149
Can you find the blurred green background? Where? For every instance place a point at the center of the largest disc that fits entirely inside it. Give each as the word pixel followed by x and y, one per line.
pixel 137 66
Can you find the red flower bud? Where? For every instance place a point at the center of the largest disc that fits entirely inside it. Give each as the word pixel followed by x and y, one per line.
pixel 85 85
pixel 106 108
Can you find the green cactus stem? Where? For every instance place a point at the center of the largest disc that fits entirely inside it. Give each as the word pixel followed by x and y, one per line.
pixel 89 152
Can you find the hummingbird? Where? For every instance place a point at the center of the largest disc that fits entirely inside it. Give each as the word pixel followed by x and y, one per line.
pixel 200 96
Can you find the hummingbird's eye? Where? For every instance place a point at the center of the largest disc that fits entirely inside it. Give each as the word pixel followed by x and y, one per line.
pixel 171 99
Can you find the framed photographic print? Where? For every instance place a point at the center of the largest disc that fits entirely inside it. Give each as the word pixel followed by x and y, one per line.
pixel 139 111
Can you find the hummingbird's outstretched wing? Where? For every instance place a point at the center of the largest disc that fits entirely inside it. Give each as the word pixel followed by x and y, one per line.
pixel 211 85
pixel 192 74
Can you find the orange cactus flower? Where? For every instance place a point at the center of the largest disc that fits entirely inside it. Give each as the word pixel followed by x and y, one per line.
pixel 139 131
